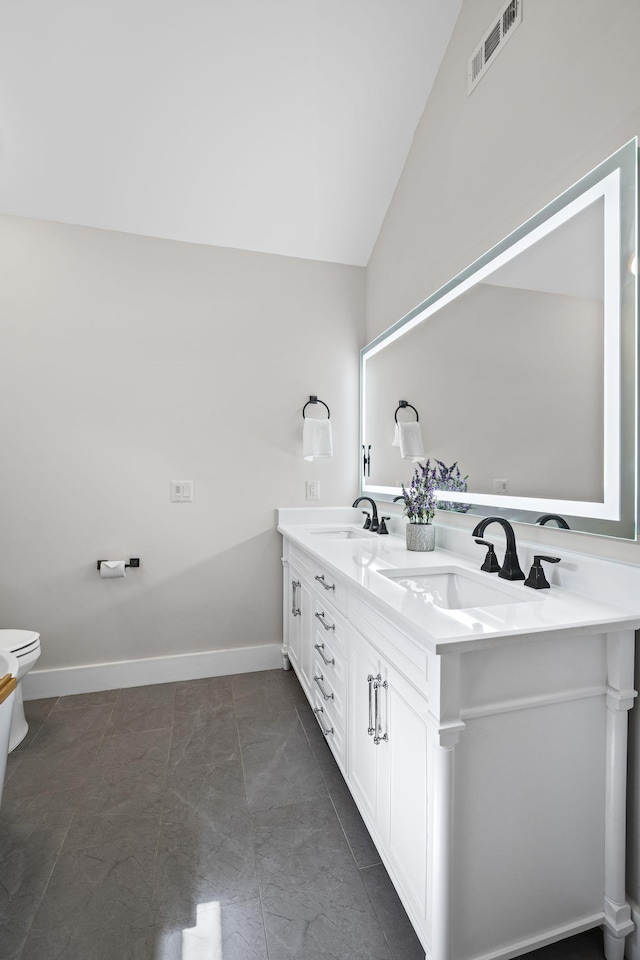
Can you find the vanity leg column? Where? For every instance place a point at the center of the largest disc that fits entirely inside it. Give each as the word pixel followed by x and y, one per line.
pixel 441 825
pixel 620 697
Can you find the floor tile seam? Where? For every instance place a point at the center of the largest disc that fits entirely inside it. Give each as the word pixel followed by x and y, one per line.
pixel 346 836
pixel 392 953
pixel 109 735
pixel 259 881
pixel 253 844
pixel 44 893
pixel 14 766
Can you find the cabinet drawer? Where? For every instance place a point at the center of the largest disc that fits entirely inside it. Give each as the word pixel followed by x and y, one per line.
pixel 331 727
pixel 330 587
pixel 329 681
pixel 329 624
pixel 328 657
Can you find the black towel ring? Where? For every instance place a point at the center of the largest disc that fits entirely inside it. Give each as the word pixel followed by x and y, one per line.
pixel 401 405
pixel 315 400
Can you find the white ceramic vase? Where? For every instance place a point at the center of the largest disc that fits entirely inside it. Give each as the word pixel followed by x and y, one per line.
pixel 421 536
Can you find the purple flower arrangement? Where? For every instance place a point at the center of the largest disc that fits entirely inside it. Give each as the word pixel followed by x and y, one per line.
pixel 421 501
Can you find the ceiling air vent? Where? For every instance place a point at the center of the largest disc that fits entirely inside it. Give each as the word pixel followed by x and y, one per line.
pixel 493 41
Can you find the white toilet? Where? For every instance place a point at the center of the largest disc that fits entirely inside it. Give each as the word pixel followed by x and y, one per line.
pixel 25 647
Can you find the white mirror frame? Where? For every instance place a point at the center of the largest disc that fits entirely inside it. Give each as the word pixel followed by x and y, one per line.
pixel 612 181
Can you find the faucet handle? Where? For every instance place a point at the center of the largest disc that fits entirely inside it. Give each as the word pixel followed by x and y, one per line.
pixel 536 578
pixel 367 522
pixel 490 564
pixel 383 527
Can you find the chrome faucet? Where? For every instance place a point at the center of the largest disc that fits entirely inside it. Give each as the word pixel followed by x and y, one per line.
pixel 510 569
pixel 375 523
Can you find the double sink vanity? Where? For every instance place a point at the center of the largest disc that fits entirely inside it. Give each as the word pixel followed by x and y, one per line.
pixel 480 725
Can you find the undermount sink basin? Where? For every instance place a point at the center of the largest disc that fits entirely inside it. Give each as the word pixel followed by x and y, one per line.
pixel 454 589
pixel 343 533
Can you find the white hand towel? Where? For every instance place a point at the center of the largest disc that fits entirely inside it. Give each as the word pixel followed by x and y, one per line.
pixel 317 443
pixel 396 436
pixel 411 447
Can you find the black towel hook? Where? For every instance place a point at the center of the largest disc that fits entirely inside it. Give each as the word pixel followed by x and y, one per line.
pixel 401 405
pixel 313 399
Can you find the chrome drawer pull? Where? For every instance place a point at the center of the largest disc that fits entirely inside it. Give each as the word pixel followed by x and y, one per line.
pixel 327 626
pixel 325 730
pixel 377 685
pixel 295 584
pixel 320 647
pixel 327 696
pixel 327 586
pixel 370 729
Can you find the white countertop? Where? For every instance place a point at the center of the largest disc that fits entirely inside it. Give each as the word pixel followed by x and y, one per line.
pixel 611 594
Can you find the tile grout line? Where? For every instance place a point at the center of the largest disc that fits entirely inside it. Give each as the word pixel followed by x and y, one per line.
pixel 150 923
pixel 75 813
pixel 253 846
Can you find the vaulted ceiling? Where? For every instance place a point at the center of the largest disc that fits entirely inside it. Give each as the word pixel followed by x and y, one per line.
pixel 277 126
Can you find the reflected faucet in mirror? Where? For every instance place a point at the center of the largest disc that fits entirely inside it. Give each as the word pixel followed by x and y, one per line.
pixel 510 569
pixel 562 523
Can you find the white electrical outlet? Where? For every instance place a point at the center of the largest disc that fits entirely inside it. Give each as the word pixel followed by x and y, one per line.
pixel 181 491
pixel 500 486
pixel 313 489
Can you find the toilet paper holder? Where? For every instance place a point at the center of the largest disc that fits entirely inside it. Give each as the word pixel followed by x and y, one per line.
pixel 133 562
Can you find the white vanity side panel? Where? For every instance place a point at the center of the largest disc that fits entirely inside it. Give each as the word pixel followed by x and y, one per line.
pixel 534 668
pixel 530 789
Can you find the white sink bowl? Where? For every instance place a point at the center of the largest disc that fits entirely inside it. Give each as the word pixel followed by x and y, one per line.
pixel 454 589
pixel 343 533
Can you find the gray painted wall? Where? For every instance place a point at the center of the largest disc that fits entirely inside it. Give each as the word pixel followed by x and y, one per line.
pixel 127 362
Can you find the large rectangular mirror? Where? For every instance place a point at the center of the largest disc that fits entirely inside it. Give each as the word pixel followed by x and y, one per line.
pixel 523 369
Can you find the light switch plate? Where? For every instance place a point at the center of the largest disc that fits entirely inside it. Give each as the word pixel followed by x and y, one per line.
pixel 182 491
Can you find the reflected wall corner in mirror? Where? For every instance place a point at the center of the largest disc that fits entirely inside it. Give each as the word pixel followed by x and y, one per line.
pixel 524 368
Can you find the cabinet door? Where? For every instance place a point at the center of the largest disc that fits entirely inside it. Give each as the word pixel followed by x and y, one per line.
pixel 305 593
pixel 362 752
pixel 294 616
pixel 403 764
pixel 299 626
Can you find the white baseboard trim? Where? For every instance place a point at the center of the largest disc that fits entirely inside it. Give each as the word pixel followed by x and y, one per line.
pixel 89 678
pixel 632 945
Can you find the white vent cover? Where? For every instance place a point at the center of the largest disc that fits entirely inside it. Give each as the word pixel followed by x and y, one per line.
pixel 499 32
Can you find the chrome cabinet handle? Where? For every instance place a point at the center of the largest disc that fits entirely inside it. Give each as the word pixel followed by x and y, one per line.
pixel 327 586
pixel 379 684
pixel 320 647
pixel 325 730
pixel 327 696
pixel 327 626
pixel 370 729
pixel 294 609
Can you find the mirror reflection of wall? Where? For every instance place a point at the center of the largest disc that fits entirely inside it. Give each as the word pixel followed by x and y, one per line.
pixel 509 376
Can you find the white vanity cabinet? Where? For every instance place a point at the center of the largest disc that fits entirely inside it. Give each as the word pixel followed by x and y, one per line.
pixel 490 771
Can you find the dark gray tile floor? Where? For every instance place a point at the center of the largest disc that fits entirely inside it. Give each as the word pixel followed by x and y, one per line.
pixel 197 819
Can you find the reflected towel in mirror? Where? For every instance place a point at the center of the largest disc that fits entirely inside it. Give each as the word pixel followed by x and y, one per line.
pixel 317 442
pixel 409 439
